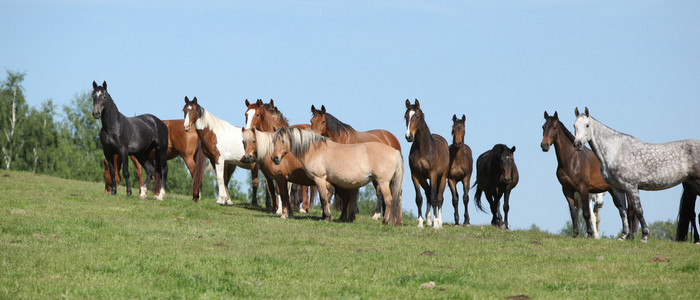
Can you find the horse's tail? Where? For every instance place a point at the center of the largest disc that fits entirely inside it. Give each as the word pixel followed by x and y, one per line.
pixel 477 197
pixel 396 186
pixel 200 164
pixel 686 212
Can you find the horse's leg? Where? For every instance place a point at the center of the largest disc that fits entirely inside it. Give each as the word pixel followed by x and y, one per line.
pixel 570 196
pixel 440 198
pixel 323 192
pixel 380 203
pixel 351 196
pixel 344 204
pixel 633 196
pixel 619 201
pixel 593 214
pixel 419 199
pixel 465 200
pixel 384 188
pixel 112 167
pixel 303 208
pixel 493 206
pixel 220 170
pixel 596 208
pixel 587 210
pixel 452 183
pixel 254 185
pixel 144 163
pixel 506 206
pixel 287 211
pixel 125 170
pixel 161 170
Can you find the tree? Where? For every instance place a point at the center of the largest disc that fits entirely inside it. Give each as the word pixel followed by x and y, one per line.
pixel 39 136
pixel 79 149
pixel 13 109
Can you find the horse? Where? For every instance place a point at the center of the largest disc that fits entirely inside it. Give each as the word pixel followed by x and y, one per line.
pixel 496 176
pixel 267 117
pixel 180 143
pixel 118 164
pixel 460 169
pixel 686 214
pixel 429 160
pixel 347 166
pixel 136 136
pixel 628 164
pixel 258 148
pixel 327 125
pixel 579 174
pixel 222 143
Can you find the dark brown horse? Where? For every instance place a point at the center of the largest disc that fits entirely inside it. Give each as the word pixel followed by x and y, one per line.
pixel 183 144
pixel 327 125
pixel 460 167
pixel 267 117
pixel 429 160
pixel 578 172
pixel 496 176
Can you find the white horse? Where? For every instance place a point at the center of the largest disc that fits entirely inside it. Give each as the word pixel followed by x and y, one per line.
pixel 628 164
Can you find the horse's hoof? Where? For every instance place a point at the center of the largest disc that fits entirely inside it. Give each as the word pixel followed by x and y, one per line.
pixel 142 197
pixel 302 211
pixel 644 239
pixel 376 216
pixel 466 224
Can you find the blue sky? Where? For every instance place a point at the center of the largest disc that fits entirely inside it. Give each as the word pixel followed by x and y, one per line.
pixel 635 64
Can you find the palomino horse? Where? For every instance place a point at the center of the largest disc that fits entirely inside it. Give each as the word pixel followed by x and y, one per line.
pixel 578 173
pixel 136 136
pixel 118 165
pixel 347 166
pixel 266 117
pixel 461 163
pixel 327 125
pixel 258 148
pixel 429 161
pixel 222 143
pixel 180 143
pixel 629 164
pixel 496 176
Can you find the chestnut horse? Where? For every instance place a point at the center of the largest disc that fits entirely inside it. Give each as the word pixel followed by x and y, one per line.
pixel 429 161
pixel 327 125
pixel 578 173
pixel 347 166
pixel 496 176
pixel 137 136
pixel 180 143
pixel 267 117
pixel 461 163
pixel 222 143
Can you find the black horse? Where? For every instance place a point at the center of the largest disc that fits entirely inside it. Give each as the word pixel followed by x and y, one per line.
pixel 686 215
pixel 496 175
pixel 136 136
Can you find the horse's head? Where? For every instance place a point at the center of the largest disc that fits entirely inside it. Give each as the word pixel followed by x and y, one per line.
pixel 413 116
pixel 192 112
pixel 253 115
pixel 250 146
pixel 549 130
pixel 99 98
pixel 507 162
pixel 458 130
pixel 318 120
pixel 582 126
pixel 281 144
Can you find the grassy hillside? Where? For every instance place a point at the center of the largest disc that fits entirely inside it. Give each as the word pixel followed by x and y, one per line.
pixel 62 238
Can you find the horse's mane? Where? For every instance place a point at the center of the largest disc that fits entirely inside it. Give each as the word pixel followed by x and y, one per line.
pixel 276 113
pixel 207 119
pixel 337 127
pixel 299 141
pixel 568 133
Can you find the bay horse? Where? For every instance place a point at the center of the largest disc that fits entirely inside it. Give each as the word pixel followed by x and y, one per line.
pixel 579 174
pixel 429 160
pixel 628 164
pixel 460 169
pixel 258 148
pixel 327 125
pixel 496 176
pixel 184 144
pixel 267 117
pixel 118 165
pixel 222 143
pixel 136 136
pixel 347 166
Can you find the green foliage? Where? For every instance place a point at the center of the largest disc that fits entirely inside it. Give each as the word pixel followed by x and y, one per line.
pixel 663 230
pixel 13 112
pixel 65 238
pixel 367 203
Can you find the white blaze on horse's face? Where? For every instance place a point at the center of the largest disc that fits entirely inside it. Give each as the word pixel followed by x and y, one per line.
pixel 408 125
pixel 187 124
pixel 583 131
pixel 249 118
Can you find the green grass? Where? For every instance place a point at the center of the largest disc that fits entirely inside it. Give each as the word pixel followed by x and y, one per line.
pixel 62 238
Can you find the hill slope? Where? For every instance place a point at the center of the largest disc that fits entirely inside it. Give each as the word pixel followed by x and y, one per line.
pixel 63 238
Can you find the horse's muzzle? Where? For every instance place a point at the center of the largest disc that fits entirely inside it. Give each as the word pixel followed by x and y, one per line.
pixel 97 114
pixel 247 158
pixel 409 138
pixel 578 145
pixel 545 147
pixel 276 160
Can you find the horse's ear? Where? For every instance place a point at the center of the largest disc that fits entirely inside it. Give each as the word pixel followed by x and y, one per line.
pixel 323 109
pixel 587 114
pixel 454 118
pixel 194 100
pixel 417 104
pixel 259 102
pixel 247 104
pixel 313 109
pixel 576 112
pixel 556 116
pixel 464 118
pixel 512 149
pixel 94 85
pixel 104 85
pixel 408 103
pixel 187 100
pixel 272 103
pixel 546 115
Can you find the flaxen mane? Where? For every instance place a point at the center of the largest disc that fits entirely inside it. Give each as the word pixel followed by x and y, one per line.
pixel 299 141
